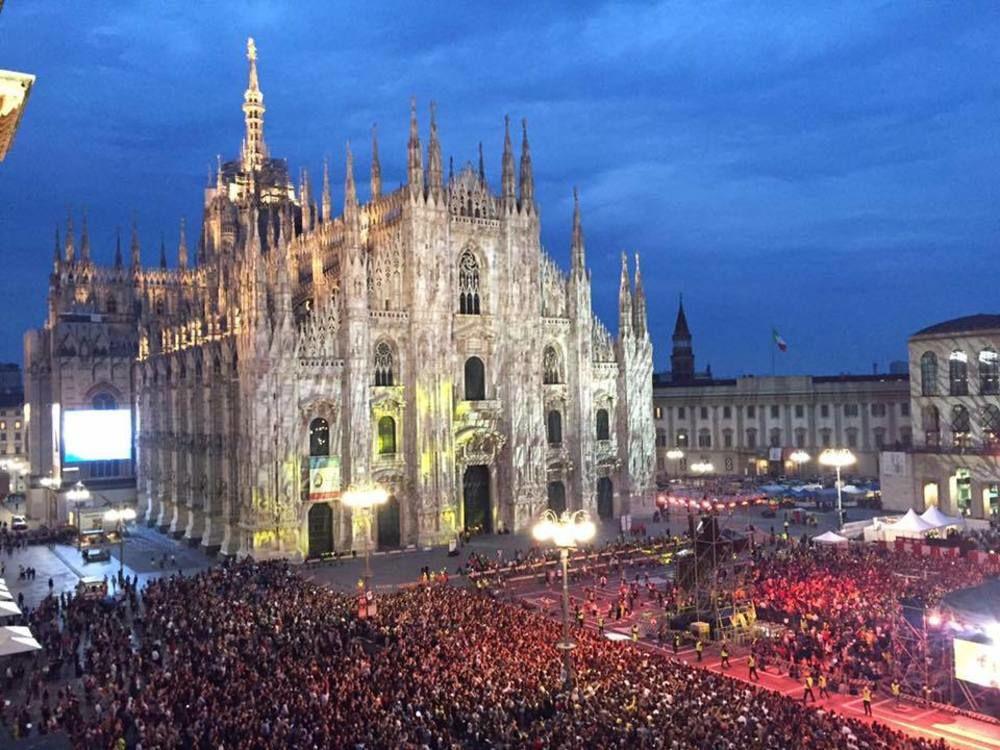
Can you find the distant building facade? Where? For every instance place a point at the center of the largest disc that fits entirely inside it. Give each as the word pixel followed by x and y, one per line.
pixel 13 431
pixel 14 91
pixel 954 462
pixel 750 426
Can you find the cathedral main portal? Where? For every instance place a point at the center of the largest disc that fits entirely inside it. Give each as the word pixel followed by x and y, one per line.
pixel 476 499
pixel 320 529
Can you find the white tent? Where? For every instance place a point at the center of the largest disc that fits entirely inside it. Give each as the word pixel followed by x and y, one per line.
pixel 938 520
pixel 910 525
pixel 17 639
pixel 6 596
pixel 7 609
pixel 830 537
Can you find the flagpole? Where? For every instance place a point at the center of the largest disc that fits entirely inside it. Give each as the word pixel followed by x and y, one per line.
pixel 773 347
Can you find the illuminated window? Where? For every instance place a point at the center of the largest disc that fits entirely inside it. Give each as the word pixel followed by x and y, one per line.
pixel 603 425
pixel 657 412
pixel 958 374
pixel 319 437
pixel 961 426
pixel 553 427
pixel 989 372
pixel 928 374
pixel 681 439
pixel 991 425
pixel 386 436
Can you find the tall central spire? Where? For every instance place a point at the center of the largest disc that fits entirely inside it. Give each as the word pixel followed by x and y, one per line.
pixel 254 148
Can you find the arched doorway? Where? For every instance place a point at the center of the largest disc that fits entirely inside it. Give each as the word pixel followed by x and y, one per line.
pixel 320 529
pixel 557 497
pixel 388 524
pixel 605 498
pixel 476 499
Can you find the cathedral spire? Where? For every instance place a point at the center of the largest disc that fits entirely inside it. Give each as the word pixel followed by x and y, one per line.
pixel 434 154
pixel 57 252
pixel 118 247
pixel 254 148
pixel 624 301
pixel 507 166
pixel 376 174
pixel 414 160
pixel 182 248
pixel 639 314
pixel 70 248
pixel 84 240
pixel 682 354
pixel 136 251
pixel 482 165
pixel 163 251
pixel 327 200
pixel 527 178
pixel 350 192
pixel 305 198
pixel 577 250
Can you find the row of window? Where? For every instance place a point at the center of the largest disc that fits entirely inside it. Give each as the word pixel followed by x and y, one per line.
pixel 553 426
pixel 3 437
pixel 958 373
pixel 474 370
pixel 879 409
pixel 704 438
pixel 3 424
pixel 961 425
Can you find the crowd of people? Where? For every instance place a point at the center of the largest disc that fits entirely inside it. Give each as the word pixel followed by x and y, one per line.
pixel 251 655
pixel 841 607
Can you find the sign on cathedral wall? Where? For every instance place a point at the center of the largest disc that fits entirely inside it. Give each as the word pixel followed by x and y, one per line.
pixel 324 478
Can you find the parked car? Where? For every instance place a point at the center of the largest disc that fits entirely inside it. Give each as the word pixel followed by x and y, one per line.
pixel 92 588
pixel 18 523
pixel 96 554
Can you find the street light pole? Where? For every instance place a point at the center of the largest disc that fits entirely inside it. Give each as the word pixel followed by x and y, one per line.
pixel 565 531
pixel 365 500
pixel 838 457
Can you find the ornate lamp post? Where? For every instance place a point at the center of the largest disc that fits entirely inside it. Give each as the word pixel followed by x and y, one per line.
pixel 799 457
pixel 52 484
pixel 565 531
pixel 675 454
pixel 702 467
pixel 120 516
pixel 365 500
pixel 838 457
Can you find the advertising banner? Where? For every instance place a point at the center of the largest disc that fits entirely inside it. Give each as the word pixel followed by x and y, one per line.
pixel 324 478
pixel 977 662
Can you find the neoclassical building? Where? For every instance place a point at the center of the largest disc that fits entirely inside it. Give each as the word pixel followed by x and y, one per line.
pixel 422 341
pixel 955 395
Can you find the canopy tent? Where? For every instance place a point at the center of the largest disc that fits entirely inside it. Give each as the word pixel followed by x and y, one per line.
pixel 910 525
pixel 830 537
pixel 6 596
pixel 938 520
pixel 850 489
pixel 17 639
pixel 774 489
pixel 8 609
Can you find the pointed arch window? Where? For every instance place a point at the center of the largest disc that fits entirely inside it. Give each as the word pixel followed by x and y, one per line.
pixel 319 437
pixel 468 284
pixel 104 401
pixel 928 374
pixel 475 379
pixel 551 369
pixel 383 364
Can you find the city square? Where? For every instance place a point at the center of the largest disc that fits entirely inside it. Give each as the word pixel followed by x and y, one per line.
pixel 381 459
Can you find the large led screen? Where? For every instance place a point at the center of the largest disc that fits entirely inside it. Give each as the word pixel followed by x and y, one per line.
pixel 96 435
pixel 977 662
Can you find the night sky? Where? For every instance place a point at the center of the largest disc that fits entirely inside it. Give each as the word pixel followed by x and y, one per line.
pixel 833 172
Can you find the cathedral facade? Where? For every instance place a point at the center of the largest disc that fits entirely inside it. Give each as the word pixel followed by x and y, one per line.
pixel 422 341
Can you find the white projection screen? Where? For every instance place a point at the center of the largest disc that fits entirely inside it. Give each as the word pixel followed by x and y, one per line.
pixel 978 663
pixel 96 435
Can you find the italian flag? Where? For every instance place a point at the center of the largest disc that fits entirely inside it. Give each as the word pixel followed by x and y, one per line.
pixel 778 341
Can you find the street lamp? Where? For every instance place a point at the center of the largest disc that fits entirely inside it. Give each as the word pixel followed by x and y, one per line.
pixel 78 493
pixel 838 458
pixel 799 457
pixel 565 531
pixel 675 454
pixel 366 499
pixel 702 467
pixel 120 516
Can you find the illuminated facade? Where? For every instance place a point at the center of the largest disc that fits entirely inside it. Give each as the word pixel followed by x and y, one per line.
pixel 14 91
pixel 954 462
pixel 422 340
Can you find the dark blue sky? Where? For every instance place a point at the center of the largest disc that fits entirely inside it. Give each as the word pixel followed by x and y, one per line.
pixel 832 171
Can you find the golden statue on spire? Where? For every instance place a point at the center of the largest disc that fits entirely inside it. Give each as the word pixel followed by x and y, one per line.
pixel 251 50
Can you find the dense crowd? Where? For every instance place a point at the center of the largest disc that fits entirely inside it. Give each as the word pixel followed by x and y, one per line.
pixel 842 606
pixel 252 656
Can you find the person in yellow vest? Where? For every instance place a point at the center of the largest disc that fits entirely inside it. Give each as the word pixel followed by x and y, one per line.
pixel 752 666
pixel 724 654
pixel 823 692
pixel 635 633
pixel 698 648
pixel 866 700
pixel 897 690
pixel 600 624
pixel 807 693
pixel 677 643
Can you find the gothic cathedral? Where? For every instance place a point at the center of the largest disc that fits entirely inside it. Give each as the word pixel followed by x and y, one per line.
pixel 422 341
